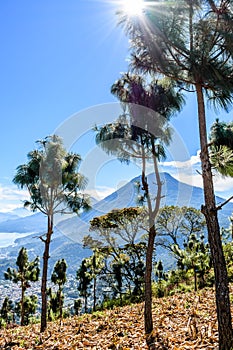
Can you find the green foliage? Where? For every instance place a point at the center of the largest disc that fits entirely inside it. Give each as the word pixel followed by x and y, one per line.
pixel 222 160
pixel 159 273
pixel 95 265
pixel 52 179
pixel 183 288
pixel 84 281
pixel 174 224
pixel 120 224
pixel 139 133
pixel 54 304
pixel 125 299
pixel 77 306
pixel 117 270
pixel 190 42
pixel 221 149
pixel 180 231
pixel 228 253
pixel 221 134
pixel 7 311
pixel 59 273
pixel 186 42
pixel 2 323
pixel 30 307
pixel 195 257
pixel 159 289
pixel 124 263
pixel 59 278
pixel 27 272
pixel 55 186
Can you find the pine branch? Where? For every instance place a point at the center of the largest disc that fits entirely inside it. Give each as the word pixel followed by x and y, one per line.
pixel 219 207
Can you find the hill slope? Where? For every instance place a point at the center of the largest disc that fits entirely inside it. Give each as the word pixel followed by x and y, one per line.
pixel 183 321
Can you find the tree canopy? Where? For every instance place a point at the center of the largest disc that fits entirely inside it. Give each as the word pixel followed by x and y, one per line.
pixel 55 187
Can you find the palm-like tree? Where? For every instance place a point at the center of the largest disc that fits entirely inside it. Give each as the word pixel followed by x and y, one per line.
pixel 141 133
pixel 190 42
pixel 221 147
pixel 55 187
pixel 222 160
pixel 221 151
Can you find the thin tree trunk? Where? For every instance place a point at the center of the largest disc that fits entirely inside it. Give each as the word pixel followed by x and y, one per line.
pixel 231 228
pixel 85 303
pixel 195 279
pixel 210 212
pixel 22 305
pixel 43 324
pixel 60 304
pixel 94 294
pixel 148 320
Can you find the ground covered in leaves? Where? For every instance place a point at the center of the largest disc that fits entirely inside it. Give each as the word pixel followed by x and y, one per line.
pixel 183 321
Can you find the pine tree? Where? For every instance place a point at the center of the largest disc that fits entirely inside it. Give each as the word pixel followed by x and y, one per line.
pixel 30 307
pixel 59 278
pixel 7 310
pixel 84 281
pixel 190 43
pixel 195 257
pixel 142 133
pixel 94 265
pixel 77 306
pixel 27 272
pixel 221 147
pixel 53 309
pixel 55 187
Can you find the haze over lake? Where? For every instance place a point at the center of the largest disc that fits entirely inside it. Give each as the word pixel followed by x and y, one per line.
pixel 8 238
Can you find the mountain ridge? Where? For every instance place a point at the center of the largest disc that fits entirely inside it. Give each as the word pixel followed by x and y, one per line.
pixel 68 233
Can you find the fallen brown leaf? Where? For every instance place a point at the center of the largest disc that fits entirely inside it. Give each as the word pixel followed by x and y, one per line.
pixel 183 321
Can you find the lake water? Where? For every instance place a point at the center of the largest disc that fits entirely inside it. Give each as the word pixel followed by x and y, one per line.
pixel 7 239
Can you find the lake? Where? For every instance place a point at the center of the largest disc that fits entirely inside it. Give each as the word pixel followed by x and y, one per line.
pixel 7 239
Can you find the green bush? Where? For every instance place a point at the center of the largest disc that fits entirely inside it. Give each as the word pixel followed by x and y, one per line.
pixel 2 323
pixel 126 299
pixel 159 289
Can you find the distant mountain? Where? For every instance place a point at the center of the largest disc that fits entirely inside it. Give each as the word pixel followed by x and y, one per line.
pixel 32 223
pixel 22 212
pixel 173 192
pixel 68 233
pixel 14 214
pixel 8 216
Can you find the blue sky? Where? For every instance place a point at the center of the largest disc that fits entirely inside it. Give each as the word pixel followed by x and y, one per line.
pixel 59 58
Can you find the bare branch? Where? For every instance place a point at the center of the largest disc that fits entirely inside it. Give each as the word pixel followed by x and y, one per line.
pixel 219 207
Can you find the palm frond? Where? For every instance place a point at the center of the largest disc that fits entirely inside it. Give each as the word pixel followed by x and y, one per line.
pixel 222 160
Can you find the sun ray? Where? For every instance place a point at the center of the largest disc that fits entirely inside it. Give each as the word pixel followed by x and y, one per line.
pixel 133 7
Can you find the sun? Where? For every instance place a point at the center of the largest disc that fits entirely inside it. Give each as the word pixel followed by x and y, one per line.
pixel 133 7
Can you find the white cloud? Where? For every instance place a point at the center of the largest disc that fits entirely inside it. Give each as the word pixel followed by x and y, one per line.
pixel 194 160
pixel 194 179
pixel 11 197
pixel 189 172
pixel 100 192
pixel 223 185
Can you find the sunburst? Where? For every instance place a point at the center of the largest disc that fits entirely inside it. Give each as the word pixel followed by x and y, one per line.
pixel 133 7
